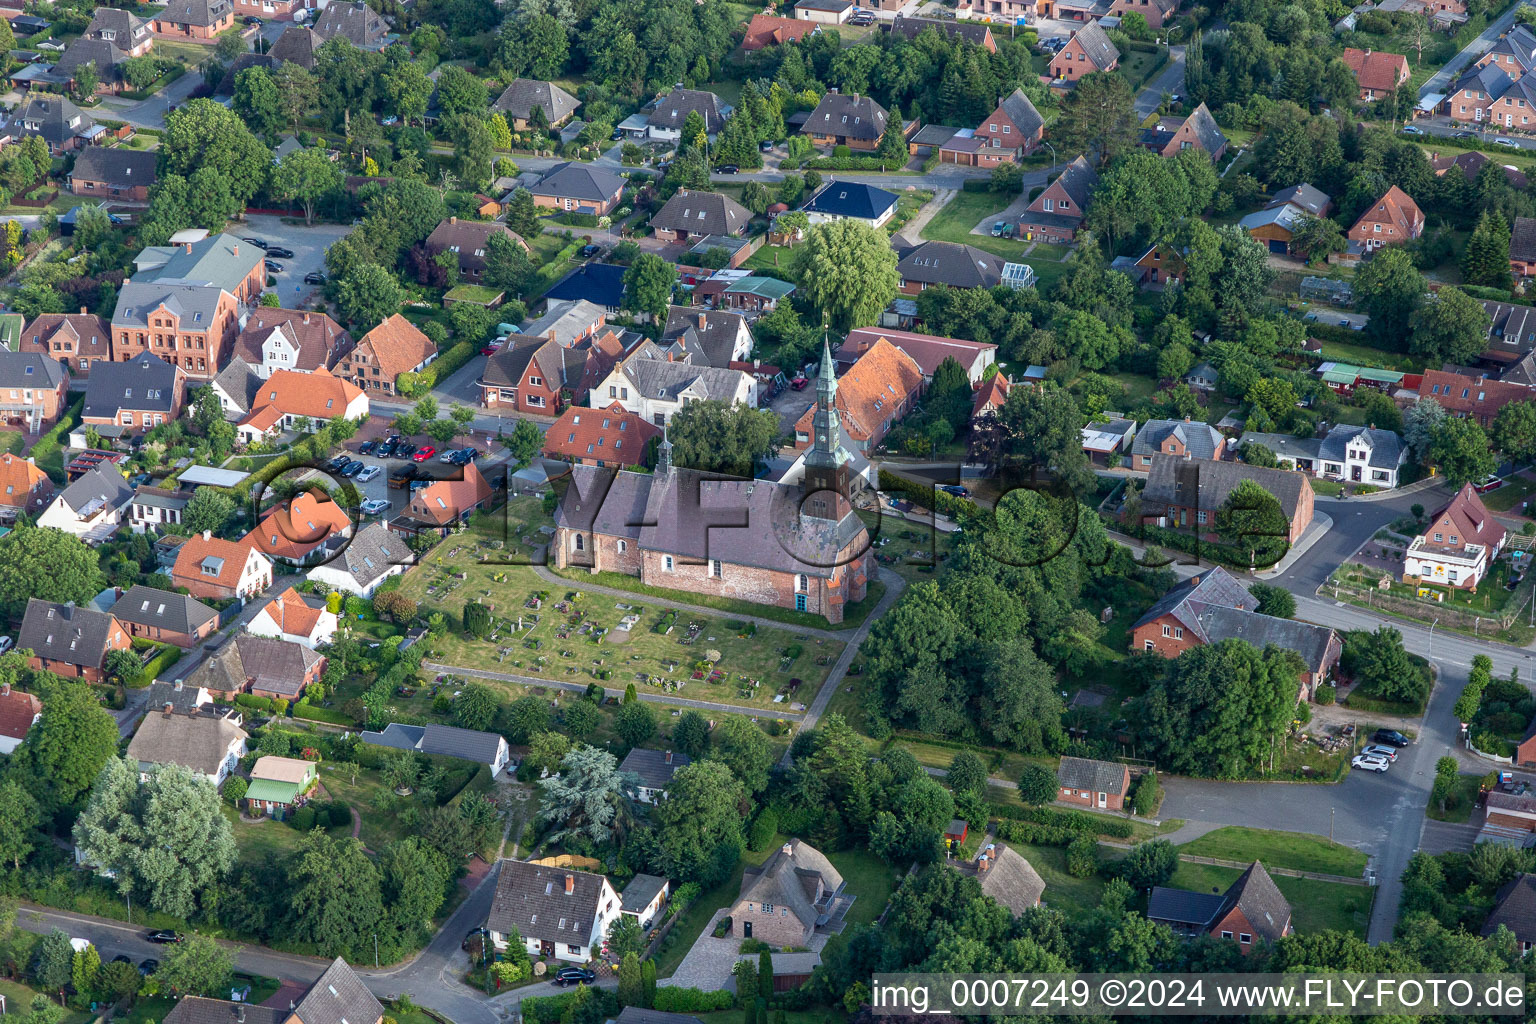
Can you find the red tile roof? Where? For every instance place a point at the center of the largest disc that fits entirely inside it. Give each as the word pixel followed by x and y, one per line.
pixel 873 390
pixel 991 395
pixel 17 710
pixel 768 30
pixel 398 346
pixel 189 561
pixel 292 614
pixel 1472 518
pixel 19 480
pixel 927 350
pixel 1375 69
pixel 444 501
pixel 298 527
pixel 320 395
pixel 1395 208
pixel 1459 394
pixel 614 435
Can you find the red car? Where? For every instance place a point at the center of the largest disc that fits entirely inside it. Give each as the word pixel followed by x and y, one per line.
pixel 489 350
pixel 799 383
pixel 424 453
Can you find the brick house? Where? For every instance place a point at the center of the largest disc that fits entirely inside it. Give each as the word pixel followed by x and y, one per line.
pixel 945 263
pixel 165 617
pixel 357 23
pixel 303 529
pixel 975 32
pixel 54 119
pixel 118 174
pixel 469 240
pixel 1056 214
pixel 1199 131
pixel 1157 268
pixel 1089 783
pixel 1377 73
pixel 578 188
pixel 1472 96
pixel 1514 908
pixel 23 486
pixel 198 21
pixel 694 215
pixel 1214 606
pixel 264 666
pixel 881 387
pixel 1177 439
pixel 1522 247
pixel 846 119
pixel 557 913
pixel 1514 52
pixel 1252 910
pixel 76 340
pixel 1187 495
pixel 34 390
pixel 793 894
pixel 18 713
pixel 599 437
pixel 219 569
pixel 69 640
pixel 927 350
pixel 1011 132
pixel 1464 396
pixel 443 505
pixel 766 30
pixel 1458 546
pixel 1391 220
pixel 289 396
pixel 1089 50
pixel 127 32
pixel 378 359
pixel 1155 11
pixel 136 394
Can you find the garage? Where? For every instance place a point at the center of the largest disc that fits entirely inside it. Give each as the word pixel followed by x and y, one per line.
pixel 1279 247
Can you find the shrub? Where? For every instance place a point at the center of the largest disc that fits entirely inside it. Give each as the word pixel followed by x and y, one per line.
pixel 1082 856
pixel 303 819
pixel 337 814
pixel 1146 795
pixel 763 828
pixel 692 1000
pixel 1325 694
pixel 234 790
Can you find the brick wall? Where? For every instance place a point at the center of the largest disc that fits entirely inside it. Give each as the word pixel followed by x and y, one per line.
pixel 773 927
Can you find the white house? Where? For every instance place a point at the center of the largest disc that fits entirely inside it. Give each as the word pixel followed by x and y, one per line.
pixel 487 748
pixel 373 556
pixel 1362 455
pixel 288 396
pixel 1458 546
pixel 643 899
pixel 153 508
pixel 93 507
pixel 209 744
pixel 656 388
pixel 289 617
pixel 561 914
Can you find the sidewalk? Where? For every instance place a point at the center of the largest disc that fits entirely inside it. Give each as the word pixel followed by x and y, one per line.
pixel 1322 522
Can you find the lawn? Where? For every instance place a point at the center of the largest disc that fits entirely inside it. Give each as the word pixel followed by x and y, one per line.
pixel 770 257
pixel 954 221
pixel 1365 355
pixel 18 998
pixel 1514 490
pixel 369 798
pixel 1461 802
pixel 480 295
pixel 870 879
pixel 1295 850
pixel 691 924
pixel 905 547
pixel 1315 906
pixel 1074 897
pixel 267 840
pixel 1137 66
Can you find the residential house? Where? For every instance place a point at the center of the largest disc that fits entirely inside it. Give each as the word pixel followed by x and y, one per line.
pixel 846 119
pixel 373 556
pixel 357 23
pixel 1203 377
pixel 600 284
pixel 24 487
pixel 93 507
pixel 1458 546
pixel 153 508
pixel 289 396
pixel 692 215
pixel 265 666
pixel 19 712
pixel 1010 133
pixel 209 744
pixel 394 347
pixel 1277 223
pixel 118 175
pixel 176 697
pixel 288 616
pixel 560 913
pixel 337 997
pixel 279 785
pixel 308 527
pixel 470 241
pixel 487 748
pixel 444 505
pixel 578 188
pixel 1510 818
pixel 519 100
pixel 706 337
pixel 220 569
pixel 653 771
pixel 850 200
pixel 1108 436
pixel 561 355
pixel 1354 454
pixel 1005 876
pixel 55 120
pixel 1377 73
pixel 926 264
pixel 1197 131
pixel 766 30
pixel 1522 247
pixel 127 32
pixel 928 351
pixel 1156 12
pixel 1251 911
pixel 165 617
pixel 69 640
pixel 236 387
pixel 1464 396
pixel 1157 268
pixel 1056 214
pixel 1391 220
pixel 1514 908
pixel 990 396
pixel 881 387
pixel 647 383
pixel 1214 606
pixel 742 291
pixel 199 21
pixel 1187 495
pixel 289 339
pixel 137 394
pixel 298 43
pixel 824 12
pixel 611 436
pixel 1101 784
pixel 1471 96
pixel 953 28
pixel 1178 439
pixel 1511 331
pixel 793 895
pixel 104 58
pixel 643 899
pixel 76 340
pixel 671 109
pixel 34 390
pixel 1514 51
pixel 1089 50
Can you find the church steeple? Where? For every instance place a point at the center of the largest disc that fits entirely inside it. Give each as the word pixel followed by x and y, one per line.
pixel 664 453
pixel 826 428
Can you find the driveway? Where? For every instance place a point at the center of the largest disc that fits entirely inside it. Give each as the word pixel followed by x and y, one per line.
pixel 308 245
pixel 707 964
pixel 150 113
pixel 1169 80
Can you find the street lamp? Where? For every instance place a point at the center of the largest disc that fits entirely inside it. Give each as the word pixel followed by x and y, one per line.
pixel 1429 651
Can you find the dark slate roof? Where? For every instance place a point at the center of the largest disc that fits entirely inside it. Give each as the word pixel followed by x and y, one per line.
pixel 1256 895
pixel 298 44
pixel 145 382
pixel 54 118
pixel 1174 482
pixel 372 553
pixel 851 199
pixel 103 484
pixel 29 370
pixel 1205 129
pixel 1314 200
pixel 1101 50
pixel 117 166
pixel 1309 641
pixel 602 500
pixel 640 891
pixel 532 899
pixel 106 56
pixel 181 697
pixel 1093 776
pixel 1079 180
pixel 1199 439
pixel 654 768
pixel 240 381
pixel 970 31
pixel 69 634
pixel 146 606
pixel 200 1010
pixel 1217 587
pixel 662 378
pixel 1386 447
pixel 1488 79
pixel 1515 909
pixel 959 266
pixel 701 213
pixel 469 744
pixel 848 114
pixel 578 181
pixel 1522 239
pixel 357 23
pixel 1020 110
pixel 1180 906
pixel 338 997
pixel 601 284
pixel 673 108
pixel 226 86
pixel 519 99
pixel 715 340
pixel 203 13
pixel 269 662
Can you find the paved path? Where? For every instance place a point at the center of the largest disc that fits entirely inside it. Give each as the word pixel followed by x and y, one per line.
pixel 1169 80
pixel 894 585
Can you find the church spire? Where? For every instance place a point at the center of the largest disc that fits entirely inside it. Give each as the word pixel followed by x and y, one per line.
pixel 664 453
pixel 826 428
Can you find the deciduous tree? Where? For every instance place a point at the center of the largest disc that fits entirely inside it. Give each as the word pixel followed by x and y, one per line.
pixel 847 269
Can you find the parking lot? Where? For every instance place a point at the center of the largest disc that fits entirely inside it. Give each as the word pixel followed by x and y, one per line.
pixel 308 245
pixel 378 487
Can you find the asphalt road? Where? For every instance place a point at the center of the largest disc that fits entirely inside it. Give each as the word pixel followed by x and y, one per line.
pixel 1169 80
pixel 1441 127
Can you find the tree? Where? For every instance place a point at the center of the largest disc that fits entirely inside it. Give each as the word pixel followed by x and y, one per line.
pixel 83 81
pixel 626 939
pixel 1150 864
pixel 524 442
pixel 122 665
pixel 507 264
pixel 587 798
pixel 198 966
pixel 204 136
pixel 1514 431
pixel 1037 785
pixel 1251 519
pixel 473 148
pixel 1486 261
pixel 256 100
pixel 19 822
pixel 698 825
pixel 745 748
pixel 635 723
pixel 332 895
pixel 475 707
pixel 1097 116
pixel 1451 327
pixel 1273 600
pixel 581 719
pixel 1043 434
pixel 631 986
pixel 296 90
pixel 307 175
pixel 1390 290
pixel 412 877
pixel 967 774
pixel 1317 238
pixel 1380 664
pixel 1459 449
pixel 691 734
pixel 47 564
pixel 648 285
pixel 847 269
pixel 893 145
pixel 409 90
pixel 368 295
pixel 120 981
pixel 1419 424
pixel 209 509
pixel 523 214
pixel 719 436
pixel 67 748
pixel 55 961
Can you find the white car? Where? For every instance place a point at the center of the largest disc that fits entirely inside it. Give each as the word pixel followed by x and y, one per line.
pixel 1412 129
pixel 1503 142
pixel 6 643
pixel 1376 750
pixel 368 474
pixel 1370 764
pixel 374 506
pixel 448 454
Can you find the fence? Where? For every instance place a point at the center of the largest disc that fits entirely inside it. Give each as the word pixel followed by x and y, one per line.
pixel 36 204
pixel 1449 615
pixel 1221 862
pixel 570 860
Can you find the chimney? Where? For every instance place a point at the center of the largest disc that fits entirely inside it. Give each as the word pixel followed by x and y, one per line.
pixel 240 1013
pixel 306 318
pixel 188 248
pixel 82 311
pixel 5 689
pixel 570 884
pixel 1194 581
pixel 207 534
pixel 982 864
pixel 787 850
pixel 668 757
pixel 168 706
pixel 832 92
pixel 702 320
pixel 236 249
pixel 31 460
pixel 177 685
pixel 453 220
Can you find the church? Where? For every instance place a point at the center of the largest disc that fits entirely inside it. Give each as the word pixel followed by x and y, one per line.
pixel 795 545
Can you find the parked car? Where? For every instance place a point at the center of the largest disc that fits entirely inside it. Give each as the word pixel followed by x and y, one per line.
pixel 997 228
pixel 250 19
pixel 402 477
pixel 374 506
pixel 1488 483
pixel 955 489
pixel 799 383
pixel 464 456
pixel 727 169
pixel 260 243
pixel 368 473
pixel 274 267
pixel 353 468
pixel 405 450
pixel 423 453
pixel 1501 141
pixel 279 253
pixel 1465 135
pixel 1391 737
pixel 164 936
pixel 1412 129
pixel 367 447
pixel 314 277
pixel 766 146
pixel 489 350
pixel 588 251
pixel 6 643
pixel 390 121
pixel 447 454
pixel 574 976
pixel 336 464
pixel 1370 764
pixel 1376 750
pixel 148 967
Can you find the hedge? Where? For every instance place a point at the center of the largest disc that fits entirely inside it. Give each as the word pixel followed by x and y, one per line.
pixel 854 163
pixel 158 664
pixel 550 1009
pixel 1072 821
pixel 1035 835
pixel 314 714
pixel 255 703
pixel 928 497
pixel 692 1000
pixel 55 438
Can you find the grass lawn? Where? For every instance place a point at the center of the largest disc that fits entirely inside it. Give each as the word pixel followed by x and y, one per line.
pixel 1366 355
pixel 691 924
pixel 267 840
pixel 1514 491
pixel 870 879
pixel 1137 66
pixel 1074 897
pixel 478 294
pixel 1315 906
pixel 18 998
pixel 373 801
pixel 954 221
pixel 1461 802
pixel 770 257
pixel 1294 850
pixel 148 1011
pixel 1138 387
pixel 904 546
